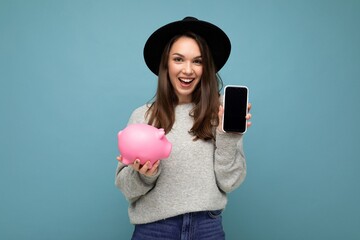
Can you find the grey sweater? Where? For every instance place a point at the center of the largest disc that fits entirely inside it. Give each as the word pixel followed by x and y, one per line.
pixel 195 177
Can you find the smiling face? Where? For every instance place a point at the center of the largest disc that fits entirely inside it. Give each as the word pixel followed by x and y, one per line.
pixel 185 67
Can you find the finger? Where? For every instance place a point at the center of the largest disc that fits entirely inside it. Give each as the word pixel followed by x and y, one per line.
pixel 221 111
pixel 249 107
pixel 220 114
pixel 119 158
pixel 248 116
pixel 248 124
pixel 136 165
pixel 145 168
pixel 154 168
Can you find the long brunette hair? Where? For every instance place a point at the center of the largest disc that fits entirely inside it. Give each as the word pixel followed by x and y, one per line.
pixel 205 96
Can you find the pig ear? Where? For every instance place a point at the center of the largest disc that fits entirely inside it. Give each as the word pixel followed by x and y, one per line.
pixel 161 133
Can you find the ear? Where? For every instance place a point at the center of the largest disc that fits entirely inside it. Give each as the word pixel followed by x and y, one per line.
pixel 161 133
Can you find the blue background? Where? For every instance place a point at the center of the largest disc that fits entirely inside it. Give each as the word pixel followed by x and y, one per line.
pixel 72 71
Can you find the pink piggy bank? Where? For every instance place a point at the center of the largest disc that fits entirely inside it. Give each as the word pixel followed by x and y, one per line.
pixel 143 142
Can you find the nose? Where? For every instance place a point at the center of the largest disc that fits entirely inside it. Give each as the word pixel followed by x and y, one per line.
pixel 188 69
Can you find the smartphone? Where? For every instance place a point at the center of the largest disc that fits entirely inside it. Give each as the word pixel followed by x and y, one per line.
pixel 235 108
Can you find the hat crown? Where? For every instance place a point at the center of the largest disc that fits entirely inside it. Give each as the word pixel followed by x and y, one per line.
pixel 189 18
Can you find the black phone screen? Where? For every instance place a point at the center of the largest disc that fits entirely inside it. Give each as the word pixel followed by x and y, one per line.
pixel 235 109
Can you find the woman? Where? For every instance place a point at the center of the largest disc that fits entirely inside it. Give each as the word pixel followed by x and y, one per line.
pixel 183 196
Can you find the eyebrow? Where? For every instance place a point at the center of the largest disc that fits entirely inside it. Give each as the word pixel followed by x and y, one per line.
pixel 184 56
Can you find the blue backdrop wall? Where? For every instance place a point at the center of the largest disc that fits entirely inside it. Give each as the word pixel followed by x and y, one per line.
pixel 72 71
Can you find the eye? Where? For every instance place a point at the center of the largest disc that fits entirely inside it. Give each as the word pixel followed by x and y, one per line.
pixel 198 61
pixel 177 59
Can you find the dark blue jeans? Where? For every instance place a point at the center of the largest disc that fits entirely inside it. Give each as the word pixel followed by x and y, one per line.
pixel 195 226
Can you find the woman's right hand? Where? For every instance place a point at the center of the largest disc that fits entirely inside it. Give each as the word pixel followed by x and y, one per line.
pixel 143 169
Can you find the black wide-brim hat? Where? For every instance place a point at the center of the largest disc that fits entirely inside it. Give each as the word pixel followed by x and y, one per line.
pixel 218 42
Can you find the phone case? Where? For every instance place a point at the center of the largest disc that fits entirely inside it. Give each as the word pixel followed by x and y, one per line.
pixel 224 105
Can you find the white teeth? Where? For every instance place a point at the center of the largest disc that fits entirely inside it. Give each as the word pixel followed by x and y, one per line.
pixel 186 80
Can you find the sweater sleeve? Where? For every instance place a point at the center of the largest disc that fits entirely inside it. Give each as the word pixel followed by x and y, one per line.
pixel 133 184
pixel 230 164
pixel 130 182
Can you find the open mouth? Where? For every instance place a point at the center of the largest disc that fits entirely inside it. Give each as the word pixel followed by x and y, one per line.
pixel 186 81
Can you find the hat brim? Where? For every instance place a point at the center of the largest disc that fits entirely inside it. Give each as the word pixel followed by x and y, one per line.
pixel 218 42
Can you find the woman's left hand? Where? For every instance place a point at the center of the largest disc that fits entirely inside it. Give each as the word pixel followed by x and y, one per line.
pixel 221 113
pixel 248 116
